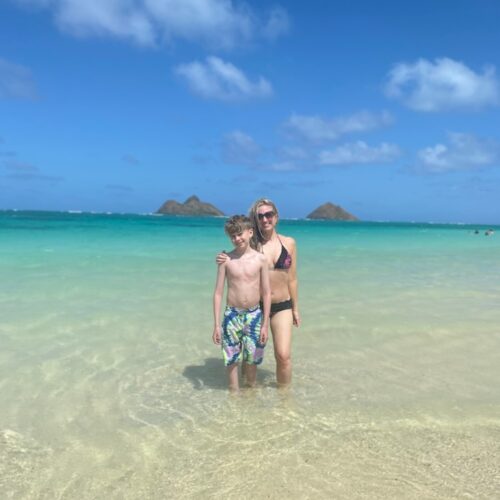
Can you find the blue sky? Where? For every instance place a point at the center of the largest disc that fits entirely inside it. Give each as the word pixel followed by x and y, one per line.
pixel 390 109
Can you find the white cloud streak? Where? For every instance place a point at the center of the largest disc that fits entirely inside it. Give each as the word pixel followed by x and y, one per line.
pixel 216 23
pixel 317 129
pixel 217 79
pixel 278 24
pixel 239 148
pixel 16 81
pixel 359 152
pixel 462 152
pixel 442 85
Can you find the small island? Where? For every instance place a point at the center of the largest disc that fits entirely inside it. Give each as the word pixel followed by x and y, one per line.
pixel 192 206
pixel 331 212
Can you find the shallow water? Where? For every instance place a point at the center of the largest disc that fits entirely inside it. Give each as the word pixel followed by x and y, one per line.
pixel 111 388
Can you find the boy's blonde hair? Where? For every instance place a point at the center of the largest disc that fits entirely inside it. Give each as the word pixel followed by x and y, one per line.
pixel 237 224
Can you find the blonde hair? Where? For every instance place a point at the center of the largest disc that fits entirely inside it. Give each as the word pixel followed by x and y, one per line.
pixel 252 213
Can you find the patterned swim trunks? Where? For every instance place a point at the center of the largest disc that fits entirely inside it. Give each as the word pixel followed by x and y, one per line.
pixel 240 336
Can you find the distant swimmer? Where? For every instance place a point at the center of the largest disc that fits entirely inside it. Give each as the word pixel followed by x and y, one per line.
pixel 489 232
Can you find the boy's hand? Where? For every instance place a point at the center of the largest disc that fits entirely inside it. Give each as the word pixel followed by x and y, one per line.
pixel 263 334
pixel 222 257
pixel 216 335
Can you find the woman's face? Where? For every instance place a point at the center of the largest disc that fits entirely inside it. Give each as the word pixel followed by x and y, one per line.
pixel 267 217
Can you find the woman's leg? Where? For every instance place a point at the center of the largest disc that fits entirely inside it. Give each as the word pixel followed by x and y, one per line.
pixel 281 328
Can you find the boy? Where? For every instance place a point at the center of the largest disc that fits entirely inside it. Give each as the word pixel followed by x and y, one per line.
pixel 244 328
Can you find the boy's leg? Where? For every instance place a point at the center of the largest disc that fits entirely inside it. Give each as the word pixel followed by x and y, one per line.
pixel 244 370
pixel 231 347
pixel 232 377
pixel 253 350
pixel 250 374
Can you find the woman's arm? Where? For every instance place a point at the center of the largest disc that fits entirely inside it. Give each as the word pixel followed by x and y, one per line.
pixel 292 282
pixel 222 257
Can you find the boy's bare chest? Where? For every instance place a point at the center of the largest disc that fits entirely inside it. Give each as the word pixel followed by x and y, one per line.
pixel 243 268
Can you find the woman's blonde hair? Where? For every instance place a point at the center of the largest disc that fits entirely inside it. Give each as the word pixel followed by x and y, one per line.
pixel 258 238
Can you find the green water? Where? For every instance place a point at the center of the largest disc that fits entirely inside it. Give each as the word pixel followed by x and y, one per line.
pixel 111 388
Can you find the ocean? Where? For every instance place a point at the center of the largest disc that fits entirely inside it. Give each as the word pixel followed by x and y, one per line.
pixel 110 386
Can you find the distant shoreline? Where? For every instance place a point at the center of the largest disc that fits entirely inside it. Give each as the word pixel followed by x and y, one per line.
pixel 472 225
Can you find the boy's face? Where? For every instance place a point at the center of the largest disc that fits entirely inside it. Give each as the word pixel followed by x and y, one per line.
pixel 241 240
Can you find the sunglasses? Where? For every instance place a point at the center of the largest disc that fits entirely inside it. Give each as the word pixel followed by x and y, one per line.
pixel 267 215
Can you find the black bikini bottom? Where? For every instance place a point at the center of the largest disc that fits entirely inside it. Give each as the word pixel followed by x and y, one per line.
pixel 279 306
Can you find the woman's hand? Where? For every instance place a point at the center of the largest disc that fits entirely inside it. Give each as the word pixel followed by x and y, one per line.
pixel 296 317
pixel 222 257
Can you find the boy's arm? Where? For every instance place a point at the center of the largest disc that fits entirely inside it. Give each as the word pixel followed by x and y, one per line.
pixel 266 300
pixel 218 292
pixel 292 283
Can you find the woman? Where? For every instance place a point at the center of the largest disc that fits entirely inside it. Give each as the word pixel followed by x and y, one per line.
pixel 281 254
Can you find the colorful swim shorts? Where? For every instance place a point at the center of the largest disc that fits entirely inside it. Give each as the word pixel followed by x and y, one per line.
pixel 240 336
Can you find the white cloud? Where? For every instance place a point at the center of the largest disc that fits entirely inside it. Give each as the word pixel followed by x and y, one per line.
pixel 359 153
pixel 16 81
pixel 318 129
pixel 463 152
pixel 239 148
pixel 442 85
pixel 217 79
pixel 218 23
pixel 277 24
pixel 109 17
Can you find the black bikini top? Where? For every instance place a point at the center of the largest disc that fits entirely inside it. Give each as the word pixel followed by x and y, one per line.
pixel 284 260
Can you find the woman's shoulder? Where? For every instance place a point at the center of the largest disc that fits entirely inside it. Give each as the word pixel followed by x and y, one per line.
pixel 288 241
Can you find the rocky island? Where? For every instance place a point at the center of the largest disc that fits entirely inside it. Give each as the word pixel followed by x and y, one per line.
pixel 192 206
pixel 332 212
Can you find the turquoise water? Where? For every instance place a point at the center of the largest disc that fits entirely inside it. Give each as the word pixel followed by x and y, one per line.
pixel 111 388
